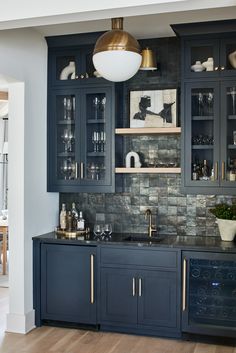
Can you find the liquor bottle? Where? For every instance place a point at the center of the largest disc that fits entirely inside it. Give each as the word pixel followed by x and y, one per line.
pixel 69 221
pixel 195 172
pixel 75 216
pixel 63 217
pixel 205 171
pixel 81 222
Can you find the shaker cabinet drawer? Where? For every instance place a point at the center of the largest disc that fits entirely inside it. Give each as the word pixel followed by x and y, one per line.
pixel 139 257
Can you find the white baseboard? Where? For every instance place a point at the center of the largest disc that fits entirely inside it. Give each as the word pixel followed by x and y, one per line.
pixel 20 323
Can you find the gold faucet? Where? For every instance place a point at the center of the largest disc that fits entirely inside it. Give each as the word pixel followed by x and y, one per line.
pixel 151 228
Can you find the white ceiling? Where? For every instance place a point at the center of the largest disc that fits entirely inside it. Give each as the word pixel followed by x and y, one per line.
pixel 146 26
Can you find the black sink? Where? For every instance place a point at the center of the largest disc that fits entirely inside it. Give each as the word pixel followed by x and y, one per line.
pixel 144 239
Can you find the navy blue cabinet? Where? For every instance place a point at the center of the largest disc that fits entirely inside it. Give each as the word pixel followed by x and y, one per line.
pixel 138 300
pixel 209 294
pixel 81 118
pixel 68 283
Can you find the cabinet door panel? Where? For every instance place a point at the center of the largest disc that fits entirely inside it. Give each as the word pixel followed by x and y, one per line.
pixel 157 301
pixel 118 301
pixel 201 134
pixel 228 133
pixel 66 283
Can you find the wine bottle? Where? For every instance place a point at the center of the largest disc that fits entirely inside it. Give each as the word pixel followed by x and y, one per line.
pixel 75 216
pixel 81 222
pixel 205 171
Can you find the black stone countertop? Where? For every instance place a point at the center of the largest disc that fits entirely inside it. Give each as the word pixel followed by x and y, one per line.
pixel 196 243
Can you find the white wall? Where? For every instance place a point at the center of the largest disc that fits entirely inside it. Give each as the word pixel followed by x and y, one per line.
pixel 32 211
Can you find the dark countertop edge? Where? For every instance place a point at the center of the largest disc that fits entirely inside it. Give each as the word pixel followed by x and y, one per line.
pixel 192 243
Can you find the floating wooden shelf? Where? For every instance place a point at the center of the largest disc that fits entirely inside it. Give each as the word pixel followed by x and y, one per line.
pixel 149 170
pixel 148 131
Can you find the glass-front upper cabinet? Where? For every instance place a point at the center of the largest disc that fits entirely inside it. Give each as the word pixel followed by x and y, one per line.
pixel 67 67
pixel 209 58
pixel 228 131
pixel 80 139
pixel 202 134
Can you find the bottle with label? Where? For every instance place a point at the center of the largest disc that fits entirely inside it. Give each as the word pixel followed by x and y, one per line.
pixel 63 217
pixel 81 222
pixel 205 171
pixel 75 216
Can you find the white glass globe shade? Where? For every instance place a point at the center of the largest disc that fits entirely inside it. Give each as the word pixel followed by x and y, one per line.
pixel 117 65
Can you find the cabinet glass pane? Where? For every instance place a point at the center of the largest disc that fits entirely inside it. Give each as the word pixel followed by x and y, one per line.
pixel 231 133
pixel 212 292
pixel 65 115
pixel 65 67
pixel 202 109
pixel 96 136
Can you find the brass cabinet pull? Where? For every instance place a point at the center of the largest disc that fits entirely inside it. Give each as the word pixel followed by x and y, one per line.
pixel 92 279
pixel 76 170
pixel 184 285
pixel 81 170
pixel 133 287
pixel 216 171
pixel 140 287
pixel 223 170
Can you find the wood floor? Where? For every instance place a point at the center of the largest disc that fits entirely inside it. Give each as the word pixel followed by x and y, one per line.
pixel 59 340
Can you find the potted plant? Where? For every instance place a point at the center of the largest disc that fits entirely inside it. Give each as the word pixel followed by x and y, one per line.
pixel 226 219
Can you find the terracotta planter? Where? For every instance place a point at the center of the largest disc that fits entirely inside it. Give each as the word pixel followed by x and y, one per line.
pixel 227 229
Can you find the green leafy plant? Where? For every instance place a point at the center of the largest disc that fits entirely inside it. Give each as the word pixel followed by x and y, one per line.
pixel 224 211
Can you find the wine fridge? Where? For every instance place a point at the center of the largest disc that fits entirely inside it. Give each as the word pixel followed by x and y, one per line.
pixel 209 293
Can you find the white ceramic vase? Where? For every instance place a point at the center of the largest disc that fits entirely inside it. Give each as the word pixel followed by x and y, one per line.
pixel 68 72
pixel 232 59
pixel 227 229
pixel 197 67
pixel 209 64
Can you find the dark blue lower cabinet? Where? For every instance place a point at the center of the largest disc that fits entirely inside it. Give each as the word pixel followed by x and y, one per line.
pixel 68 283
pixel 140 301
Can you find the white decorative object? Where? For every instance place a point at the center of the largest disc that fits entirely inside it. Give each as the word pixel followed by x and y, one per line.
pixel 209 64
pixel 68 72
pixel 227 229
pixel 232 59
pixel 129 157
pixel 197 67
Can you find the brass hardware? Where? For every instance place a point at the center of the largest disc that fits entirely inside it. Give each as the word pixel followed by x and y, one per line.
pixel 222 68
pixel 216 171
pixel 151 228
pixel 184 285
pixel 92 279
pixel 140 287
pixel 148 60
pixel 116 39
pixel 216 68
pixel 134 287
pixel 223 170
pixel 81 170
pixel 76 170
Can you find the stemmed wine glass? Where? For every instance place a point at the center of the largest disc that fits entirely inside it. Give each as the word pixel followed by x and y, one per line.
pixel 107 230
pixel 233 95
pixel 68 139
pixel 98 231
pixel 210 99
pixel 200 104
pixel 67 168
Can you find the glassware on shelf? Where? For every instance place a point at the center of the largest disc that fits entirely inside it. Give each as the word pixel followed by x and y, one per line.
pixel 232 91
pixel 200 104
pixel 96 103
pixel 103 141
pixel 67 168
pixel 210 102
pixel 68 139
pixel 98 141
pixel 102 107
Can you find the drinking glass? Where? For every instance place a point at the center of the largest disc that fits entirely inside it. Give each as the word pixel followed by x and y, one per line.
pixel 98 231
pixel 107 230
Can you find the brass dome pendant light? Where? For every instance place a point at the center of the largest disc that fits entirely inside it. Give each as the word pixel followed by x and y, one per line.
pixel 148 60
pixel 117 55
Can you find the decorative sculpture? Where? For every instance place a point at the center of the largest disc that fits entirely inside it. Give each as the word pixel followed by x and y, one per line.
pixel 68 72
pixel 232 59
pixel 132 156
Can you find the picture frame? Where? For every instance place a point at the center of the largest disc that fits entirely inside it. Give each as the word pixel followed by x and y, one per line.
pixel 153 108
